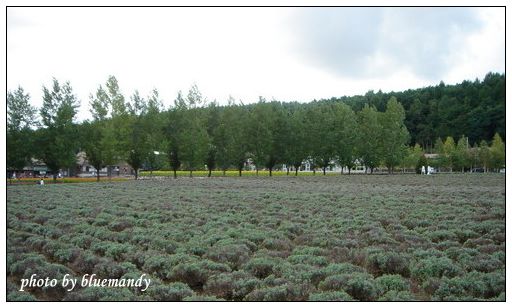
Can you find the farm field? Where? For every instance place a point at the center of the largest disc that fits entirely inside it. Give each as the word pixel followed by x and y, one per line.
pixel 319 238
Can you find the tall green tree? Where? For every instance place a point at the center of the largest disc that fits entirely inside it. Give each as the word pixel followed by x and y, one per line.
pixel 153 121
pixel 474 157
pixel 439 161
pixel 280 134
pixel 369 141
pixel 221 135
pixel 449 149
pixel 497 152
pixel 267 122
pixel 412 157
pixel 109 107
pixel 194 143
pixel 236 120
pixel 144 131
pixel 120 118
pixel 394 136
pixel 58 144
pixel 345 135
pixel 461 159
pixel 194 137
pixel 216 138
pixel 296 145
pixel 138 146
pixel 484 154
pixel 261 125
pixel 173 132
pixel 92 144
pixel 20 119
pixel 325 142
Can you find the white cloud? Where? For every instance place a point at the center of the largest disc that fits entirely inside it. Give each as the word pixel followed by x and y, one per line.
pixel 243 52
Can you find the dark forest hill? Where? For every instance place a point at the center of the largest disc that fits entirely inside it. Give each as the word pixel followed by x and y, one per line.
pixel 475 109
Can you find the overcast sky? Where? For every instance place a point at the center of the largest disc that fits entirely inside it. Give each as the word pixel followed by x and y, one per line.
pixel 290 54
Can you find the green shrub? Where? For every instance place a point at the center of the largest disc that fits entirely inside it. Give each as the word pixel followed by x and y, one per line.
pixel 164 245
pixel 444 245
pixel 28 261
pixel 342 268
pixel 244 286
pixel 273 281
pixel 308 250
pixel 300 273
pixel 214 267
pixel 36 242
pixel 277 244
pixel 120 225
pixel 260 267
pixel 17 296
pixel 99 247
pixel 202 298
pixel 397 296
pixel 428 253
pixel 220 285
pixel 330 296
pixel 103 219
pixel 442 235
pixel 234 255
pixel 480 263
pixel 435 267
pixel 464 235
pixel 83 241
pixel 196 249
pixel 388 263
pixel 280 293
pixel 53 271
pixel 107 268
pixel 459 253
pixel 494 283
pixel 100 294
pixel 138 257
pixel 360 286
pixel 61 252
pixel 291 230
pixel 14 295
pixel 85 262
pixel 163 265
pixel 387 283
pixel 500 298
pixel 133 273
pixel 308 259
pixel 192 274
pixel 334 282
pixel 67 255
pixel 175 291
pixel 454 289
pixel 430 285
pixel 117 251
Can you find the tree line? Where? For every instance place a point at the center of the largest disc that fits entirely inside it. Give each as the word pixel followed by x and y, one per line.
pixel 193 134
pixel 475 109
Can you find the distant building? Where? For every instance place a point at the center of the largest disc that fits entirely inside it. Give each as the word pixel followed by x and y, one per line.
pixel 333 167
pixel 82 169
pixel 85 169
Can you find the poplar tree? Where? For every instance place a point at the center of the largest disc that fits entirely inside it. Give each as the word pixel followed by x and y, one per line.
pixel 58 144
pixel 20 119
pixel 497 151
pixel 394 135
pixel 345 134
pixel 369 141
pixel 449 152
